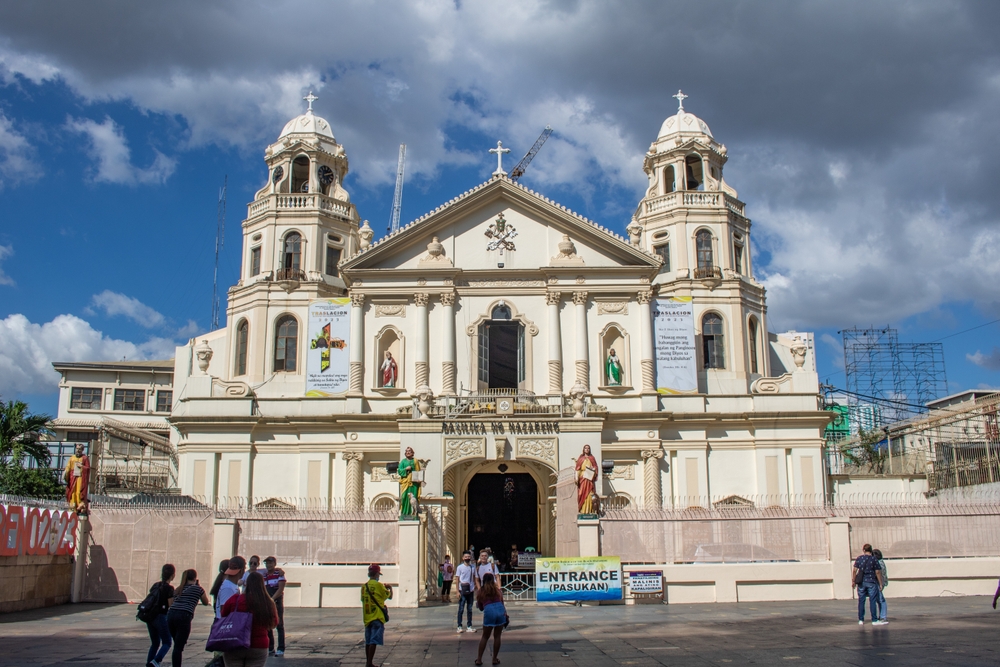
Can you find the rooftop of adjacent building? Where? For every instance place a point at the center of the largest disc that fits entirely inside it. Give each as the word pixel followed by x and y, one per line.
pixel 962 397
pixel 150 365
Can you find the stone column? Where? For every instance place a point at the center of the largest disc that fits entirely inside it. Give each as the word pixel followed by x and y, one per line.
pixel 647 357
pixel 582 340
pixel 553 299
pixel 652 488
pixel 313 175
pixel 448 367
pixel 357 345
pixel 421 352
pixel 354 493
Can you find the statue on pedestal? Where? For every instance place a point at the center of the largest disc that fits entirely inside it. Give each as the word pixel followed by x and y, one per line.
pixel 77 477
pixel 586 482
pixel 613 369
pixel 409 488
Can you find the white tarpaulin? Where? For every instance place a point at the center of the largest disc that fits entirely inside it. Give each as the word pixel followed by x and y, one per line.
pixel 327 354
pixel 676 361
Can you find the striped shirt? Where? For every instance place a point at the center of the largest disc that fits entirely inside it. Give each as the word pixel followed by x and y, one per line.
pixel 188 599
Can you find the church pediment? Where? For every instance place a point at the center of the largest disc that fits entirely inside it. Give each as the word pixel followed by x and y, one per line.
pixel 501 224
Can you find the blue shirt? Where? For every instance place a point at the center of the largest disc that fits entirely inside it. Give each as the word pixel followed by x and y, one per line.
pixel 868 564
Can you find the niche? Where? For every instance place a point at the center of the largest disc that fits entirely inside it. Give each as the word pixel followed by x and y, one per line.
pixel 615 376
pixel 388 368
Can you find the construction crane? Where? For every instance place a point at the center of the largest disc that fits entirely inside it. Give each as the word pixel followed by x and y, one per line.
pixel 397 199
pixel 220 238
pixel 518 171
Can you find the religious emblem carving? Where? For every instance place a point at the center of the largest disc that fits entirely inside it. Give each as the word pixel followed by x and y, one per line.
pixel 500 235
pixel 380 474
pixel 542 449
pixel 458 449
pixel 612 307
pixel 390 310
pixel 623 471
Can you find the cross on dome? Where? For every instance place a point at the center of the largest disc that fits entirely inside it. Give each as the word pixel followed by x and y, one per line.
pixel 680 97
pixel 310 98
pixel 499 150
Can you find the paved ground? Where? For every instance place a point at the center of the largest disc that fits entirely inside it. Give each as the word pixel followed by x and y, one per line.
pixel 927 631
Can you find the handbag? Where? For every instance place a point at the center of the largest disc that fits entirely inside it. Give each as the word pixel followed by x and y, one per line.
pixel 859 578
pixel 230 632
pixel 385 612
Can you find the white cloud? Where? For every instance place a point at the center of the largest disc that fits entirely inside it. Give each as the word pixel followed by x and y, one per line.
pixel 110 150
pixel 5 252
pixel 17 156
pixel 115 303
pixel 989 361
pixel 27 351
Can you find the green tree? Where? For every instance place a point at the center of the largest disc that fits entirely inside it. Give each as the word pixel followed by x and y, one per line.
pixel 20 443
pixel 867 451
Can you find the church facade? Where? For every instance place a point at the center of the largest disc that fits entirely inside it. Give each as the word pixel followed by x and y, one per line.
pixel 496 336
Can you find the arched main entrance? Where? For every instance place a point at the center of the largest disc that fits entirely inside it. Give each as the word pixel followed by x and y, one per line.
pixel 503 511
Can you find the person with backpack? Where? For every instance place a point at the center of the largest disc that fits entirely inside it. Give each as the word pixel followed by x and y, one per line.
pixel 255 601
pixel 867 578
pixel 179 617
pixel 883 615
pixel 489 599
pixel 373 597
pixel 153 612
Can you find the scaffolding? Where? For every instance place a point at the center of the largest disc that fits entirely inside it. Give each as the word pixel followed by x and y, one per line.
pixel 889 381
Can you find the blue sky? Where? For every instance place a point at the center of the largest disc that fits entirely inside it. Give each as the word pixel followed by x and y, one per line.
pixel 869 172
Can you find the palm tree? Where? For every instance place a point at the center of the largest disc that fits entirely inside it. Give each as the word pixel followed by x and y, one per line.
pixel 20 435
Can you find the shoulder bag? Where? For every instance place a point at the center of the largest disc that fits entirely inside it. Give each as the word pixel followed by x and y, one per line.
pixel 385 612
pixel 231 632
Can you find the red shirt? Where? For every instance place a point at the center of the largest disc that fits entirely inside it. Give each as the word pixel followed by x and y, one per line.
pixel 258 631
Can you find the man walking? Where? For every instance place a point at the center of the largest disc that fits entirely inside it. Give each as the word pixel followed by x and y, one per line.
pixel 373 597
pixel 274 580
pixel 466 576
pixel 867 577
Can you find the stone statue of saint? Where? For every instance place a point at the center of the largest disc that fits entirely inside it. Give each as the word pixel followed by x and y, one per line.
pixel 586 481
pixel 409 490
pixel 613 369
pixel 77 477
pixel 390 372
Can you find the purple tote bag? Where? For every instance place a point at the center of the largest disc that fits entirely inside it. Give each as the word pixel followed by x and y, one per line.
pixel 230 632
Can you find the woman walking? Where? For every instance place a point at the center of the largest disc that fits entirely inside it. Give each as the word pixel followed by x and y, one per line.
pixel 159 634
pixel 489 599
pixel 189 593
pixel 265 617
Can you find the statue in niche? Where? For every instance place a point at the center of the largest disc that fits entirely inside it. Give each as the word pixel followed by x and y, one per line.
pixel 390 372
pixel 410 478
pixel 586 482
pixel 613 369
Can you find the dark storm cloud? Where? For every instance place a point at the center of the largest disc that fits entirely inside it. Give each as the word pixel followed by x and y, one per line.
pixel 862 135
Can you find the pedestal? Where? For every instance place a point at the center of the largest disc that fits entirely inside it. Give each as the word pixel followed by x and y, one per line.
pixel 408 593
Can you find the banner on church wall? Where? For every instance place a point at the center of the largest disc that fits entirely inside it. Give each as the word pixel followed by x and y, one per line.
pixel 673 333
pixel 327 347
pixel 581 578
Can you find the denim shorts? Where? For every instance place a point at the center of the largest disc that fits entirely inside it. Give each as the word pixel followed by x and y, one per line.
pixel 374 632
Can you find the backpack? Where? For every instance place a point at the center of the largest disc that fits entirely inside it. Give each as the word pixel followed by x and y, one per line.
pixel 149 608
pixel 885 573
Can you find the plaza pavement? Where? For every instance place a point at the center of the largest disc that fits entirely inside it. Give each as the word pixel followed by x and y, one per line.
pixel 922 631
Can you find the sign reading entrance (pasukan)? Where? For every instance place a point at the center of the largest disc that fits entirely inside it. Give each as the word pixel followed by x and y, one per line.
pixel 582 578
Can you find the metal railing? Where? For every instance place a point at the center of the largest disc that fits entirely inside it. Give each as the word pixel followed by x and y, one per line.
pixel 517 586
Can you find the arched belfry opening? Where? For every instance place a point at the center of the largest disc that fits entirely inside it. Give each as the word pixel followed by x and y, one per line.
pixel 501 350
pixel 300 174
pixel 694 172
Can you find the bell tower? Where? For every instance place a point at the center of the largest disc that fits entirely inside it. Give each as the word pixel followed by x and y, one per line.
pixel 692 219
pixel 298 228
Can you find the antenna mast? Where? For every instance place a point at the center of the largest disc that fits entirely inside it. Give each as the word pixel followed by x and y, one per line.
pixel 397 199
pixel 518 171
pixel 220 237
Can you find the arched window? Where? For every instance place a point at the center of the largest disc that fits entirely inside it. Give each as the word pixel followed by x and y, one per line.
pixel 242 337
pixel 300 174
pixel 668 179
pixel 293 252
pixel 286 344
pixel 713 341
pixel 703 244
pixel 752 336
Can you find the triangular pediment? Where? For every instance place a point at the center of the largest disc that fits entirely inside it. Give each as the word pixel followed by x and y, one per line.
pixel 468 227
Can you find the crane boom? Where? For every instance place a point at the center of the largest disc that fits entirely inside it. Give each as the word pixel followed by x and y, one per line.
pixel 220 239
pixel 397 199
pixel 518 171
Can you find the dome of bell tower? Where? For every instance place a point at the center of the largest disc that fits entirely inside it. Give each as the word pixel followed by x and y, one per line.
pixel 683 122
pixel 308 123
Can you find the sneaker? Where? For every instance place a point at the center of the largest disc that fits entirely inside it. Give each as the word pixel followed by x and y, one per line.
pixel 861 622
pixel 470 629
pixel 880 622
pixel 280 651
pixel 459 630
